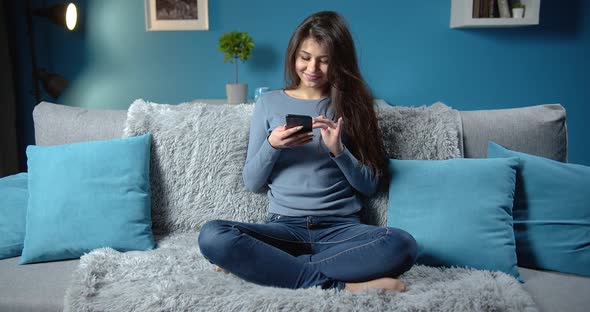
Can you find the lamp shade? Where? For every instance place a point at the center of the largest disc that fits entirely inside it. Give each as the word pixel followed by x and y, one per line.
pixel 63 14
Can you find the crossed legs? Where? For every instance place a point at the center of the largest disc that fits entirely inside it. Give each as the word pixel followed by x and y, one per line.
pixel 276 254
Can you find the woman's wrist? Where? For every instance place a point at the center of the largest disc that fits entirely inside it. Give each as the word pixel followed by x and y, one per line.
pixel 337 151
pixel 269 142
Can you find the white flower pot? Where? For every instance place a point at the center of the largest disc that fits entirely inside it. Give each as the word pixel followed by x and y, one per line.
pixel 518 12
pixel 236 93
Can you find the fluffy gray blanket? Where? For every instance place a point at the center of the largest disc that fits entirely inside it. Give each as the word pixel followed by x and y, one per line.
pixel 175 277
pixel 198 151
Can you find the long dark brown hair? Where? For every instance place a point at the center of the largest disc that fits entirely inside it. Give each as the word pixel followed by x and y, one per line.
pixel 350 96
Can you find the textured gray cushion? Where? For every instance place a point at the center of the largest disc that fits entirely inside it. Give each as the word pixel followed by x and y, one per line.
pixel 34 287
pixel 59 124
pixel 425 132
pixel 553 291
pixel 196 163
pixel 537 130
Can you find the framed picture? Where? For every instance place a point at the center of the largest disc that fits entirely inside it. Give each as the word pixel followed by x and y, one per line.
pixel 166 15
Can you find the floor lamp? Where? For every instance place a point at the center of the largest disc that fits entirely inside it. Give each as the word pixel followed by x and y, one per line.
pixel 65 15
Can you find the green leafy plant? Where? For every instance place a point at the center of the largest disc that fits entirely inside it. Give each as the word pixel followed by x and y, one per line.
pixel 236 45
pixel 518 5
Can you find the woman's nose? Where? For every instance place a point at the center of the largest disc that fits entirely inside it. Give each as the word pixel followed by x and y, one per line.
pixel 313 64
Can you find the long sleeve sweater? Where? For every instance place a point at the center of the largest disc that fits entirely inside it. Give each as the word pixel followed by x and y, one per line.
pixel 305 180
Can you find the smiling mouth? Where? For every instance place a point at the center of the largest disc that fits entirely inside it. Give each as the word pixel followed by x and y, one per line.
pixel 312 77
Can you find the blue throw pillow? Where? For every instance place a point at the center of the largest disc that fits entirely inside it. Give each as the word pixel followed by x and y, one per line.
pixel 458 210
pixel 13 212
pixel 88 195
pixel 551 213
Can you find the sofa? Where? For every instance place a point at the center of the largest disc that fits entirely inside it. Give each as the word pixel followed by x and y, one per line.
pixel 537 130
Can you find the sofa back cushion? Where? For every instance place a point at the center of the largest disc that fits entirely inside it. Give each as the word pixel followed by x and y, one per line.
pixel 538 130
pixel 60 124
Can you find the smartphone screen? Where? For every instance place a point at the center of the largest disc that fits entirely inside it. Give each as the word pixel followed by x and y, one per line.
pixel 299 120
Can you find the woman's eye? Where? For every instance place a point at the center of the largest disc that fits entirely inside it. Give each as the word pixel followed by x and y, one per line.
pixel 305 58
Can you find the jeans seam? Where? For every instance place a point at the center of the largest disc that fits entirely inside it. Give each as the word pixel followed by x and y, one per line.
pixel 353 248
pixel 344 240
pixel 280 239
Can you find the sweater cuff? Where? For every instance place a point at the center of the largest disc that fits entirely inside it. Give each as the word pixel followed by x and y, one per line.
pixel 345 158
pixel 268 152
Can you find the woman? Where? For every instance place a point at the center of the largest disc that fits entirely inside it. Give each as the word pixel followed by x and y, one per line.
pixel 312 235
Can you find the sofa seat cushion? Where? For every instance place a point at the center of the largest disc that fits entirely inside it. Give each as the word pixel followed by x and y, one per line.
pixel 34 287
pixel 42 286
pixel 554 291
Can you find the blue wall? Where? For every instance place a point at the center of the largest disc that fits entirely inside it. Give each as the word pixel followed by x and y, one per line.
pixel 407 52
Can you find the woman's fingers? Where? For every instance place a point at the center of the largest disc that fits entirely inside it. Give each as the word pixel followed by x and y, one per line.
pixel 299 139
pixel 300 142
pixel 320 124
pixel 323 122
pixel 290 131
pixel 292 137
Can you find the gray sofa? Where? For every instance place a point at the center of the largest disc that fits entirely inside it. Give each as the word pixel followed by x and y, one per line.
pixel 539 130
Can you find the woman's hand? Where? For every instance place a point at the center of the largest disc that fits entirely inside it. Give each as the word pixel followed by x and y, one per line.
pixel 282 137
pixel 331 133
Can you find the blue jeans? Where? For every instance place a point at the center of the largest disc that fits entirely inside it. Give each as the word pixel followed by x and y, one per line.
pixel 301 252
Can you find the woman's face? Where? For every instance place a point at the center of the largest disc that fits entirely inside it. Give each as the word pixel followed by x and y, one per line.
pixel 311 64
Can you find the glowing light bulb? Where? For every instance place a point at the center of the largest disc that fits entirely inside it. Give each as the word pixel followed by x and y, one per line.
pixel 71 16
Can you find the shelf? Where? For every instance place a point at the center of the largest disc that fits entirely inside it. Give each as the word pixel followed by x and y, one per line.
pixel 462 12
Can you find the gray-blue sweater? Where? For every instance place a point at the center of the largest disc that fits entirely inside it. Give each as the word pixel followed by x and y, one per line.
pixel 305 180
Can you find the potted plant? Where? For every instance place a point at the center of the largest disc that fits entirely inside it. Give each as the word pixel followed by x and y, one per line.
pixel 518 10
pixel 236 46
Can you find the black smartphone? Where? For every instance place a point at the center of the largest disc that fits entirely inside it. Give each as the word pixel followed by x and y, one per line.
pixel 299 120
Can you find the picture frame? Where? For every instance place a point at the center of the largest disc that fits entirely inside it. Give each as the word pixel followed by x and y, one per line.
pixel 176 15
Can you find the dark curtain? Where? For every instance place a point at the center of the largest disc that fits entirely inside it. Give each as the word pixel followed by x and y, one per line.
pixel 8 140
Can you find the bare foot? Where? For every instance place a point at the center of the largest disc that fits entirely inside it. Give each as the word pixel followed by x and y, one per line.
pixel 386 283
pixel 218 269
